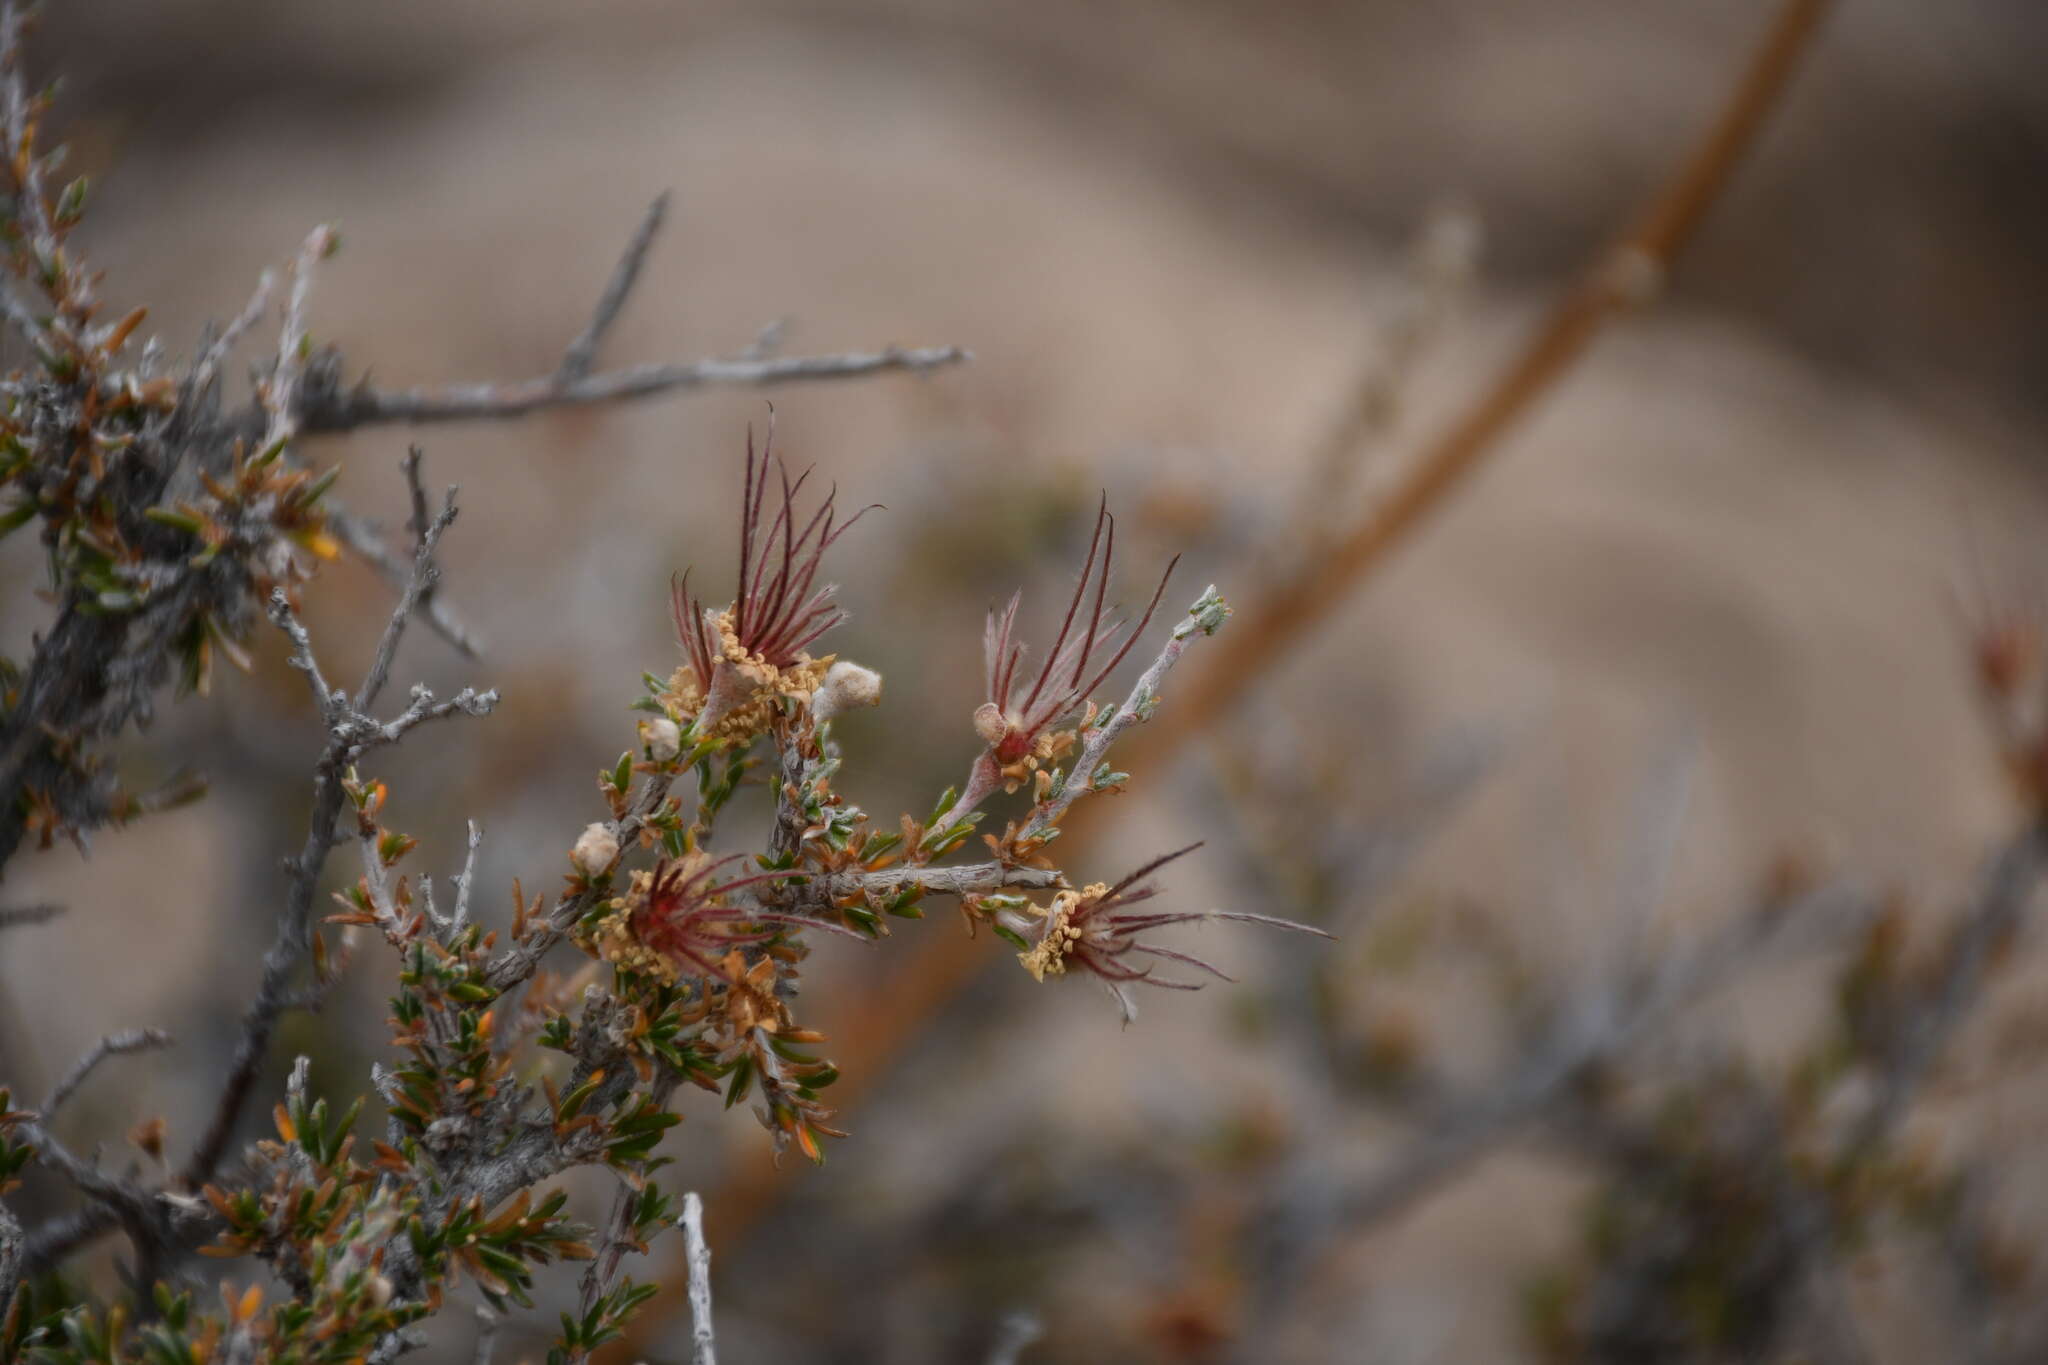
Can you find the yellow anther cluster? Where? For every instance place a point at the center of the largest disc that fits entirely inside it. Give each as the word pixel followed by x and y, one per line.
pixel 1044 749
pixel 765 685
pixel 1049 955
pixel 612 940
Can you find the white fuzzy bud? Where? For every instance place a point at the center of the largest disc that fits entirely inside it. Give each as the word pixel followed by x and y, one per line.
pixel 663 738
pixel 596 850
pixel 989 722
pixel 846 686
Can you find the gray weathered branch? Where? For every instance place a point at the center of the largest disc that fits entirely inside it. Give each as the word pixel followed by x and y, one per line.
pixel 703 1343
pixel 363 406
pixel 15 916
pixel 363 537
pixel 280 393
pixel 582 352
pixel 113 1045
pixel 968 879
pixel 350 731
pixel 207 368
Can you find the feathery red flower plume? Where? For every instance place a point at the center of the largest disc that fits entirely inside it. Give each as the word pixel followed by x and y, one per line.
pixel 777 612
pixel 1094 930
pixel 1013 724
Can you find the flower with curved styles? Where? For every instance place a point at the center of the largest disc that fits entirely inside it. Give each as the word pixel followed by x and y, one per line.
pixel 755 649
pixel 1016 720
pixel 1095 930
pixel 679 921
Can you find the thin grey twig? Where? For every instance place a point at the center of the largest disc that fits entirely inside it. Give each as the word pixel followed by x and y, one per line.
pixel 332 703
pixel 363 406
pixel 423 708
pixel 486 1335
pixel 703 1343
pixel 424 573
pixel 377 885
pixel 14 916
pixel 767 341
pixel 147 1216
pixel 363 537
pixel 603 1273
pixel 294 937
pixel 966 879
pixel 582 352
pixel 418 525
pixel 349 729
pixel 59 1237
pixel 280 394
pixel 114 1044
pixel 179 789
pixel 217 351
pixel 416 487
pixel 32 206
pixel 131 1204
pixel 467 878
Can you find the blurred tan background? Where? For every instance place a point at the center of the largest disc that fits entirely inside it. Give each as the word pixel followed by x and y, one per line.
pixel 1169 233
